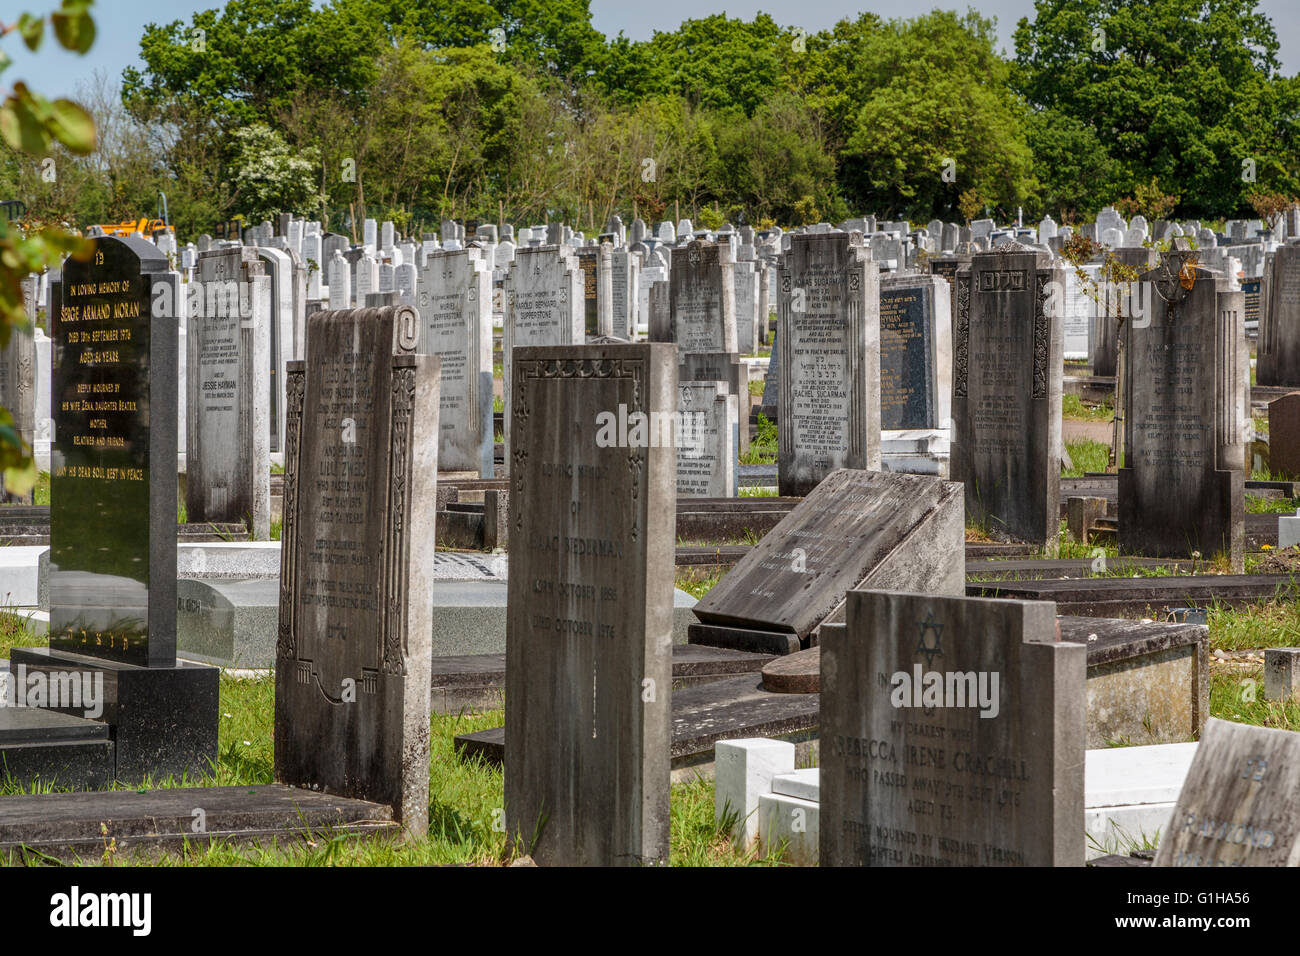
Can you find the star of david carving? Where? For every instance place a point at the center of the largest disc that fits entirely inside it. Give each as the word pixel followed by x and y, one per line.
pixel 931 651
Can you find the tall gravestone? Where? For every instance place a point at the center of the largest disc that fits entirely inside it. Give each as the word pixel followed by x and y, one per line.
pixel 112 576
pixel 952 734
pixel 1240 802
pixel 228 382
pixel 625 285
pixel 702 311
pixel 747 306
pixel 829 326
pixel 590 604
pixel 353 650
pixel 1006 392
pixel 454 293
pixel 589 262
pixel 543 306
pixel 1278 361
pixel 1184 435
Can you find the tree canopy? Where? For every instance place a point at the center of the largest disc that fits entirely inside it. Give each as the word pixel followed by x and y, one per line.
pixel 481 109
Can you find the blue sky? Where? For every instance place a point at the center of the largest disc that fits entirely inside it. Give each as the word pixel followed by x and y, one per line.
pixel 55 72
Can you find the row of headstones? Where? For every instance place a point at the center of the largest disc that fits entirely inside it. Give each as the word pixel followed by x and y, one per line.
pixel 981 701
pixel 587 755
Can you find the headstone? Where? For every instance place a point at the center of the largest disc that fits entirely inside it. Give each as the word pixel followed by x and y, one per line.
pixel 367 278
pixel 454 293
pixel 590 602
pixel 625 284
pixel 353 661
pixel 829 308
pixel 112 574
pixel 1278 361
pixel 915 352
pixel 702 299
pixel 340 279
pixel 747 306
pixel 1240 802
pixel 228 372
pixel 279 268
pixel 543 306
pixel 370 235
pixel 707 422
pixel 589 262
pixel 856 529
pixel 1284 436
pixel 1184 434
pixel 952 734
pixel 1007 367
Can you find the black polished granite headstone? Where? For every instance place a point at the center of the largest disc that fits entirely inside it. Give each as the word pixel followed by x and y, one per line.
pixel 113 516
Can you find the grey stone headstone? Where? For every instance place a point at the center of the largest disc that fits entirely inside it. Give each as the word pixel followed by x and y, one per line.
pixel 915 352
pixel 590 602
pixel 1278 361
pixel 454 296
pixel 702 298
pixel 228 401
pixel 353 658
pixel 279 268
pixel 340 282
pixel 1007 366
pixel 857 529
pixel 1240 802
pixel 707 423
pixel 542 296
pixel 952 734
pixel 625 285
pixel 367 278
pixel 1184 434
pixel 829 323
pixel 747 300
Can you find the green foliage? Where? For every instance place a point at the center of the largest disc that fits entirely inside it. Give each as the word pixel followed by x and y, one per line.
pixel 32 125
pixel 269 176
pixel 1174 92
pixel 935 96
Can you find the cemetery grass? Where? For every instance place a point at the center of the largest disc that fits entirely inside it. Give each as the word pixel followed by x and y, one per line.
pixel 1238 694
pixel 1076 409
pixel 762 450
pixel 1087 455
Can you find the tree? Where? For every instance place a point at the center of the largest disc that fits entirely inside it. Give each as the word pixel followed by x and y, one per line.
pixel 1182 91
pixel 936 100
pixel 31 124
pixel 269 177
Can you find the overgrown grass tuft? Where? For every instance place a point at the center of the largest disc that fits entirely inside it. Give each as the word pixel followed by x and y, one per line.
pixel 1087 455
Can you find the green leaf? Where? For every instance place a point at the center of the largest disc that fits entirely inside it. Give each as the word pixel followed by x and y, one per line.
pixel 21 478
pixel 74 30
pixel 72 126
pixel 32 29
pixel 21 128
pixel 5 60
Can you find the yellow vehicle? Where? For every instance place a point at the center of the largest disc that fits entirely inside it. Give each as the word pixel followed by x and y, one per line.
pixel 144 226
